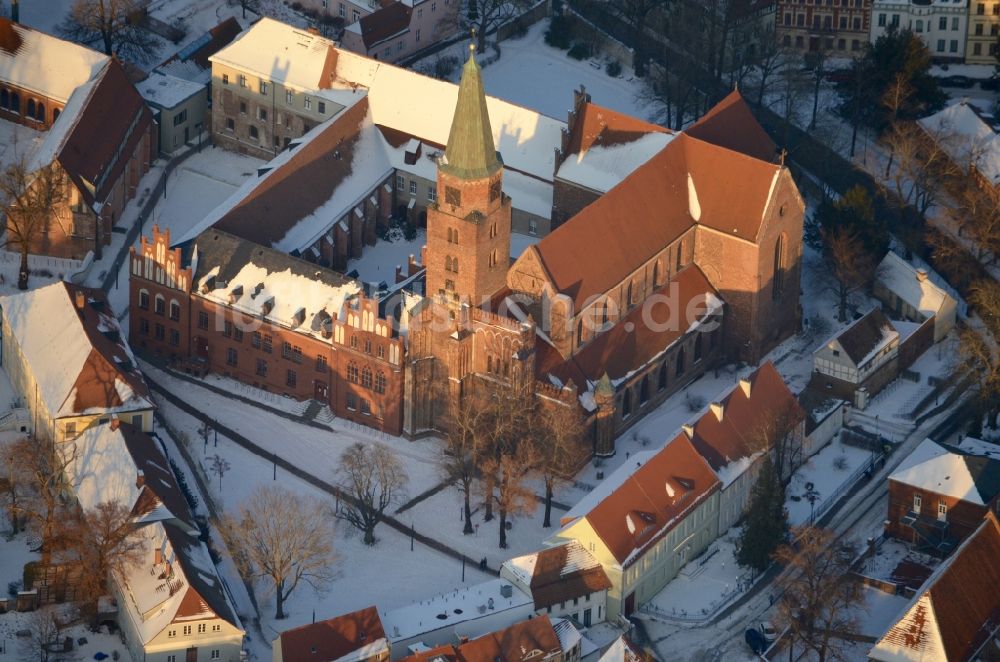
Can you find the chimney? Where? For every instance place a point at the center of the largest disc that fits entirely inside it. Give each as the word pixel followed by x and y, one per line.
pixel 81 299
pixel 745 387
pixel 115 423
pixel 921 275
pixel 688 430
pixel 716 408
pixel 15 11
pixel 140 478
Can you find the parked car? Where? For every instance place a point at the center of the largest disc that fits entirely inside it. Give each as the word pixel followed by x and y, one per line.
pixel 755 640
pixel 992 83
pixel 839 76
pixel 956 81
pixel 769 632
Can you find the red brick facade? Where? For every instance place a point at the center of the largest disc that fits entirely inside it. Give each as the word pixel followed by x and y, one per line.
pixel 354 365
pixel 837 29
pixel 962 517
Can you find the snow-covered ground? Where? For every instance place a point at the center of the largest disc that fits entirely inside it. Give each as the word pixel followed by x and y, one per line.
pixel 890 554
pixel 388 575
pixel 704 585
pixel 827 471
pixel 531 73
pixel 378 263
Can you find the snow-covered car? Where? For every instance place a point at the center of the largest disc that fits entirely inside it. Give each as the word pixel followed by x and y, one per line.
pixel 769 632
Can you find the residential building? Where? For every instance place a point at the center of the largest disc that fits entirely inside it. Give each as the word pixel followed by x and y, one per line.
pixel 173 605
pixel 752 31
pixel 94 129
pixel 533 640
pixel 273 84
pixel 865 354
pixel 939 494
pixel 954 615
pixel 622 650
pixel 984 27
pixel 68 362
pixel 449 618
pixel 969 141
pixel 179 108
pixel 232 307
pixel 564 581
pixel 389 30
pixel 739 429
pixel 909 293
pixel 183 115
pixel 353 637
pixel 813 26
pixel 652 515
pixel 941 24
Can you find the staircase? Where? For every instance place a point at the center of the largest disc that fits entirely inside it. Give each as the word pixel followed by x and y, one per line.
pixel 17 420
pixel 890 428
pixel 311 410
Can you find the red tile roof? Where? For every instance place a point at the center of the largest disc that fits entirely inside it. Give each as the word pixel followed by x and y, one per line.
pixel 332 638
pixel 105 135
pixel 528 641
pixel 653 500
pixel 651 208
pixel 565 572
pixel 731 124
pixel 633 342
pixel 596 125
pixel 384 23
pixel 958 609
pixel 735 436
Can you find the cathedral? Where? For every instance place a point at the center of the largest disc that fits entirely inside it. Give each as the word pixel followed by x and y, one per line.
pixel 692 260
pixel 641 257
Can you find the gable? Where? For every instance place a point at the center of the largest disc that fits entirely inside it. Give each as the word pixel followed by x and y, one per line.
pixel 528 274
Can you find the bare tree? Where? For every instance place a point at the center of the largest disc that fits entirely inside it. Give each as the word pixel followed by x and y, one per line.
pixel 113 26
pixel 252 5
pixel 373 479
pixel 673 93
pixel 218 465
pixel 850 265
pixel 768 61
pixel 28 201
pixel 513 457
pixel 560 448
pixel 465 445
pixel 922 169
pixel 485 16
pixel 104 541
pixel 45 637
pixel 283 537
pixel 778 432
pixel 11 485
pixel 635 13
pixel 43 467
pixel 980 348
pixel 820 600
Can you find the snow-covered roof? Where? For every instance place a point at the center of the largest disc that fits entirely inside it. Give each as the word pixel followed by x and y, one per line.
pixel 980 447
pixel 280 53
pixel 76 355
pixel 569 636
pixel 602 168
pixel 60 130
pixel 423 107
pixel 621 650
pixel 864 338
pixel 910 285
pixel 607 486
pixel 937 469
pixel 453 608
pixel 576 559
pixel 966 138
pixel 39 62
pixel 166 91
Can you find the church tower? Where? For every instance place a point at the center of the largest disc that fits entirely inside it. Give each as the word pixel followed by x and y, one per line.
pixel 468 228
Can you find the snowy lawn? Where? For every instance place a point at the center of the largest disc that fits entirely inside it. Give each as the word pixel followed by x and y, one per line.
pixel 827 472
pixel 705 584
pixel 553 77
pixel 16 648
pixel 388 575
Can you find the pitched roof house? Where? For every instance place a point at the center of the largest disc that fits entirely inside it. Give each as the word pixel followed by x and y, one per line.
pixel 910 293
pixel 864 354
pixel 532 640
pixel 353 637
pixel 174 600
pixel 564 580
pixel 734 432
pixel 68 360
pixel 640 509
pixel 956 614
pixel 939 494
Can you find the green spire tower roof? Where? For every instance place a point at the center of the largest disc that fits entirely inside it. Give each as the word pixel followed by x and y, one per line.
pixel 471 153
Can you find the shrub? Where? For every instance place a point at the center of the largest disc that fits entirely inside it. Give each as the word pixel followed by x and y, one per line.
pixel 13 588
pixel 579 51
pixel 444 66
pixel 192 499
pixel 560 33
pixel 410 232
pixel 694 402
pixel 840 464
pixel 614 68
